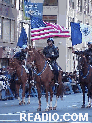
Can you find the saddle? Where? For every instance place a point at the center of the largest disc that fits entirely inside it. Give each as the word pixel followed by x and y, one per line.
pixel 51 66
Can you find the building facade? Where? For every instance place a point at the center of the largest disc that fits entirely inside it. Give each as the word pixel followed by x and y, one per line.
pixel 8 29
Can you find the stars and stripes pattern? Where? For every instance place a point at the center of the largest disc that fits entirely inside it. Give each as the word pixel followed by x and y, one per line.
pixel 42 30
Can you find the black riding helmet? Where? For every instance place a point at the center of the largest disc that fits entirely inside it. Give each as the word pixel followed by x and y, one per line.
pixel 50 39
pixel 89 43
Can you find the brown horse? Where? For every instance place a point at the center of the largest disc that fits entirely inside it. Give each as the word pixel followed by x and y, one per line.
pixel 85 78
pixel 21 78
pixel 44 76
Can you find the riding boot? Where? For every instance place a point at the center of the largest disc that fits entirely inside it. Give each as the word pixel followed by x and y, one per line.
pixel 56 78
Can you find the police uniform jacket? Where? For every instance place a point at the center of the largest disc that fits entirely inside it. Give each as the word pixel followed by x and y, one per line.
pixel 51 52
pixel 20 55
pixel 87 53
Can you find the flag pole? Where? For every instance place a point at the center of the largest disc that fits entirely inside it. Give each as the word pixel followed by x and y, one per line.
pixel 30 12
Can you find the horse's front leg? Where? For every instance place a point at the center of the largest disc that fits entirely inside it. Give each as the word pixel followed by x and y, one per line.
pixel 83 90
pixel 54 108
pixel 39 97
pixel 29 94
pixel 47 107
pixel 29 90
pixel 23 94
pixel 17 89
pixel 51 96
pixel 89 98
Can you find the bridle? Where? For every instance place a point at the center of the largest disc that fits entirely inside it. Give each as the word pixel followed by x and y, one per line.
pixel 82 67
pixel 33 64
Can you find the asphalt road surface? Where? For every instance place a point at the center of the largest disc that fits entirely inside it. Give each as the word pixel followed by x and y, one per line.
pixel 68 110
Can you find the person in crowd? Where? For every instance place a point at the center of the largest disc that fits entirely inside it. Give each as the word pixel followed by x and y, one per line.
pixel 69 78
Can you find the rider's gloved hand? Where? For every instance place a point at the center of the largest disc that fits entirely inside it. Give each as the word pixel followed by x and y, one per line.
pixel 48 59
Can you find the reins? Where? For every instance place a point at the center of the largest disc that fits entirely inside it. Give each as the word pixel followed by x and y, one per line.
pixel 38 74
pixel 84 77
pixel 35 72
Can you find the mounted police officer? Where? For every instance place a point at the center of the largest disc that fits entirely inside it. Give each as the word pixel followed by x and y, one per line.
pixel 87 53
pixel 21 55
pixel 51 52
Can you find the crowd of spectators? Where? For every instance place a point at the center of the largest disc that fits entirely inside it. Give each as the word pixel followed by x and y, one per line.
pixel 71 82
pixel 70 77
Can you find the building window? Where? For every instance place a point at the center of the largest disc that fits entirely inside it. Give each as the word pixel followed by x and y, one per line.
pixel 13 2
pixel 50 3
pixel 80 5
pixel 50 18
pixel 71 4
pixel 0 27
pixel 20 4
pixel 88 7
pixel 70 19
pixel 12 31
pixel 6 30
pixel 7 1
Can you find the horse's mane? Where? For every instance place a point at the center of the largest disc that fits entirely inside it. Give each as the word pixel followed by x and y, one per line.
pixel 16 60
pixel 40 52
pixel 83 56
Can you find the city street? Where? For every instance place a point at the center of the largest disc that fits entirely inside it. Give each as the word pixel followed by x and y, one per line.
pixel 11 111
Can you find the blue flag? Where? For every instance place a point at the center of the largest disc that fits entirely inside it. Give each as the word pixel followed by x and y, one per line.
pixel 76 35
pixel 22 39
pixel 36 9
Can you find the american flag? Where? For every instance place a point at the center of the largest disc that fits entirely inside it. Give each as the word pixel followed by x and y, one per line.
pixel 42 30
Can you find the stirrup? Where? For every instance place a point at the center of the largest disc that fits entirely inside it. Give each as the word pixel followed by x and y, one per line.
pixel 56 83
pixel 32 82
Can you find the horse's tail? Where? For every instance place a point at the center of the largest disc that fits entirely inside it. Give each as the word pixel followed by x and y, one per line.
pixel 60 88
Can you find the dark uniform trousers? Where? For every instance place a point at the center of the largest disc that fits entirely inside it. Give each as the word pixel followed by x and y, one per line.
pixel 55 68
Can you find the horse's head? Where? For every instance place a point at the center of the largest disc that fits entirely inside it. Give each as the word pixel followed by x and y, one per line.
pixel 31 57
pixel 11 62
pixel 82 62
pixel 11 66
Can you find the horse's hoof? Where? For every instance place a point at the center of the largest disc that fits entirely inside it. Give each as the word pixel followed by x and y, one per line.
pixel 83 106
pixel 23 103
pixel 39 109
pixel 54 108
pixel 20 103
pixel 28 102
pixel 88 106
pixel 62 98
pixel 50 108
pixel 46 109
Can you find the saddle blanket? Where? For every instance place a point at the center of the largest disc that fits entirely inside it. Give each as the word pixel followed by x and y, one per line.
pixel 52 68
